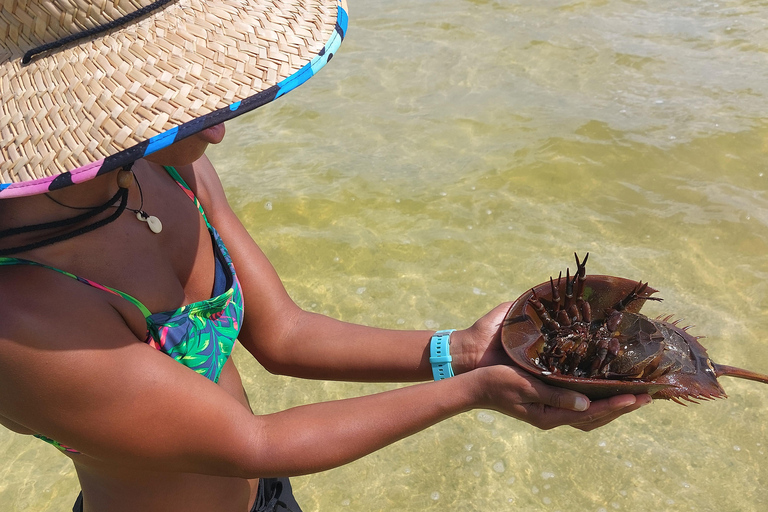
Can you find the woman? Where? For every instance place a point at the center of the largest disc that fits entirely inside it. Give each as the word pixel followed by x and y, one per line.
pixel 94 299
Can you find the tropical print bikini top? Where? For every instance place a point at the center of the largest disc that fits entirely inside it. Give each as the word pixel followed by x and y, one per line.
pixel 200 335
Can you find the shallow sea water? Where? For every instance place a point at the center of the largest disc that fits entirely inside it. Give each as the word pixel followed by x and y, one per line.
pixel 454 154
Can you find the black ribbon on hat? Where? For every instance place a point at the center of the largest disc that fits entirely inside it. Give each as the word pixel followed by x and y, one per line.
pixel 27 58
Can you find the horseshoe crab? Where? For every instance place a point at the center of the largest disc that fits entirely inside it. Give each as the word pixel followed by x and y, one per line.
pixel 586 333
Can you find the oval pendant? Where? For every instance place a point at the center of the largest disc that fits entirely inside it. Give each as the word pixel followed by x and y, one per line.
pixel 154 224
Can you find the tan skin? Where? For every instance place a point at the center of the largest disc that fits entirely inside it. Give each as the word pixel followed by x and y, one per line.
pixel 156 436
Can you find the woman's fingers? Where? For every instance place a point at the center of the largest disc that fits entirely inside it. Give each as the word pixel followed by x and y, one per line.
pixel 553 407
pixel 613 408
pixel 563 398
pixel 518 394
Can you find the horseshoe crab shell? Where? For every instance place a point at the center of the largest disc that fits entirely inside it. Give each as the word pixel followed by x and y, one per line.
pixel 695 377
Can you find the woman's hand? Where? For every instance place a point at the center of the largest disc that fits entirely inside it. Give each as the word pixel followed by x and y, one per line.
pixel 513 392
pixel 480 344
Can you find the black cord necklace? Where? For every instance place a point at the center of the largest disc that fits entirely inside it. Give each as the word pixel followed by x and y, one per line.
pixel 125 178
pixel 125 181
pixel 121 195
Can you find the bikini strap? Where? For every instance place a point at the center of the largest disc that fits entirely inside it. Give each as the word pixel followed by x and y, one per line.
pixel 6 261
pixel 20 261
pixel 187 190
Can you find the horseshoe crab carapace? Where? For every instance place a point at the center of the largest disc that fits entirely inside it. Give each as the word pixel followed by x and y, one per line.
pixel 586 333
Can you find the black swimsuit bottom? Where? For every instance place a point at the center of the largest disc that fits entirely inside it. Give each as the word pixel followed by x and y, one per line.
pixel 273 495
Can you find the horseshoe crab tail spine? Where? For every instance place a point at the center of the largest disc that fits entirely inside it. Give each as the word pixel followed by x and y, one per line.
pixel 731 371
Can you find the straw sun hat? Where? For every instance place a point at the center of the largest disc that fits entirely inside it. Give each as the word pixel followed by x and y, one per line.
pixel 147 74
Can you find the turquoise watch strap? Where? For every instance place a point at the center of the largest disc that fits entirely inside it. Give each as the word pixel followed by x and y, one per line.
pixel 440 354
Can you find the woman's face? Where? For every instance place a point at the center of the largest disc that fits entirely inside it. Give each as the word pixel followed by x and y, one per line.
pixel 186 151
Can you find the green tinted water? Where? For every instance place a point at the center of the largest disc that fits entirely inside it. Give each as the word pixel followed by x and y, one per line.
pixel 456 153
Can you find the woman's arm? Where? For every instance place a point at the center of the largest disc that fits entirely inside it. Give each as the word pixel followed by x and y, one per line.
pixel 71 370
pixel 290 341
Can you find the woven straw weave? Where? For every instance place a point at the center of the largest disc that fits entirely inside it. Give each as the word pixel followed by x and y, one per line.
pixel 95 98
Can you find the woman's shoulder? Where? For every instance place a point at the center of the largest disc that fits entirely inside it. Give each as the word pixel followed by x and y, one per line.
pixel 37 303
pixel 72 370
pixel 54 329
pixel 203 180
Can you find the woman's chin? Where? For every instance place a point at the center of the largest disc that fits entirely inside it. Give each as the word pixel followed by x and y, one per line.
pixel 213 134
pixel 186 151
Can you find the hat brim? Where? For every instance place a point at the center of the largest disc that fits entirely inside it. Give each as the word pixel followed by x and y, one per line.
pixel 32 172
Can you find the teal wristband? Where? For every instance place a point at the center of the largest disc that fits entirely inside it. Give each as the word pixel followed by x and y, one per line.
pixel 440 354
